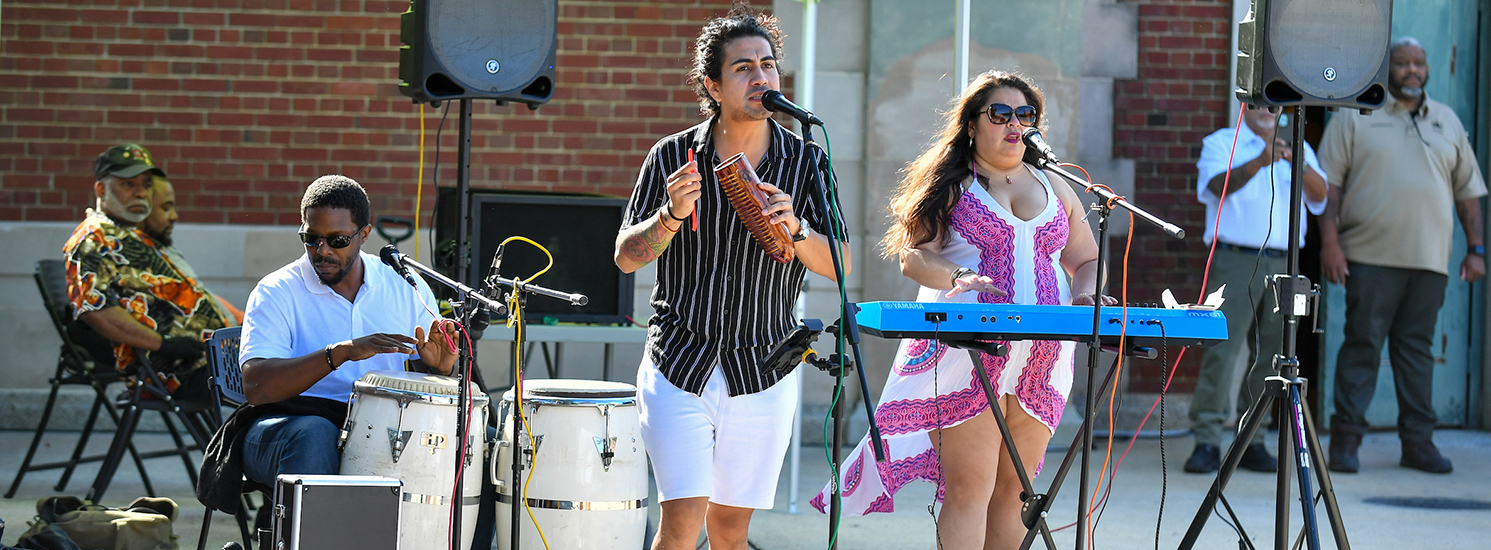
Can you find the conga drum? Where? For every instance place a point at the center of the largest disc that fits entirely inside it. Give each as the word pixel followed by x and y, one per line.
pixel 587 485
pixel 403 425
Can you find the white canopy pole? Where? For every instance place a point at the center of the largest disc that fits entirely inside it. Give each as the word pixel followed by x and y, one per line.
pixel 960 47
pixel 805 78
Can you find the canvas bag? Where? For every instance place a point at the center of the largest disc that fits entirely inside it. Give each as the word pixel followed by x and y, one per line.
pixel 144 525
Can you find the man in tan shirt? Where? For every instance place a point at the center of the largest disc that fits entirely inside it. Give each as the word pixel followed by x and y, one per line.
pixel 1386 234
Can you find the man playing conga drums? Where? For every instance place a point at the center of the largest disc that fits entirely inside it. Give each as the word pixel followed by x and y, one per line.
pixel 312 329
pixel 716 427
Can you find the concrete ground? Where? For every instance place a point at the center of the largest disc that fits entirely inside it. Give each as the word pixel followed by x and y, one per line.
pixel 1128 521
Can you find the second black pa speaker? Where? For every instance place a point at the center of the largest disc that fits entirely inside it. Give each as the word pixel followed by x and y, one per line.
pixel 1330 53
pixel 478 49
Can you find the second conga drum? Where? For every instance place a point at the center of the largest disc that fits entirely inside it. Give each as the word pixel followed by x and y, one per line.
pixel 403 425
pixel 588 486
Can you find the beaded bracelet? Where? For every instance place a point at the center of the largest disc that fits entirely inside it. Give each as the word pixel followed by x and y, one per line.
pixel 328 359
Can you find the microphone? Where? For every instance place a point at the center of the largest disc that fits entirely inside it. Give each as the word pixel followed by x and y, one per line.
pixel 395 259
pixel 775 102
pixel 497 262
pixel 1032 139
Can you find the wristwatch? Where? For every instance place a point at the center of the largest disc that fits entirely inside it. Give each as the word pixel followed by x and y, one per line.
pixel 1478 250
pixel 802 232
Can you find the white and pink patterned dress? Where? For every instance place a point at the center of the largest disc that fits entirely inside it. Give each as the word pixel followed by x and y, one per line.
pixel 1023 258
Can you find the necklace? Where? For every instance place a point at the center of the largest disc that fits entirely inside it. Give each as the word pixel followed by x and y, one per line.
pixel 985 181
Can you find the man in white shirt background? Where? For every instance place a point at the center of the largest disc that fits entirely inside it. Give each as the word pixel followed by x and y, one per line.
pixel 1252 241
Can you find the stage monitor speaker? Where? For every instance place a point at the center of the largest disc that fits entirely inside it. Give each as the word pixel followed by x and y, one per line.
pixel 1330 53
pixel 579 230
pixel 475 49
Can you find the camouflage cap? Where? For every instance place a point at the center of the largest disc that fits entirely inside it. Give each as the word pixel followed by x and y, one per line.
pixel 125 161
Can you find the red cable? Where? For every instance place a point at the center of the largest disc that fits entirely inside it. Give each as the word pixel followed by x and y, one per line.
pixel 1175 367
pixel 466 424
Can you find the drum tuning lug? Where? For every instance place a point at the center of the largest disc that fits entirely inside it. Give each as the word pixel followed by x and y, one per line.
pixel 396 442
pixel 605 446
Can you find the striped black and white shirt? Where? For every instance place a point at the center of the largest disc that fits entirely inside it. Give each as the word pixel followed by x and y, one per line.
pixel 719 299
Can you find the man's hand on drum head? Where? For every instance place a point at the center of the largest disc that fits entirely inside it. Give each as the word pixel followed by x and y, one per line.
pixel 438 352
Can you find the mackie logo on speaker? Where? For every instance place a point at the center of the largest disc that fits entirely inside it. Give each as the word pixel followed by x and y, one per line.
pixel 493 66
pixel 1330 74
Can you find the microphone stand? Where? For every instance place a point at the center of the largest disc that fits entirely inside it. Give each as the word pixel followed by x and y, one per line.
pixel 515 487
pixel 1104 206
pixel 848 331
pixel 471 302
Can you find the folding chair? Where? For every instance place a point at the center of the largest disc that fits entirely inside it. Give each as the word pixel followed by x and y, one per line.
pixel 77 364
pixel 227 380
pixel 148 392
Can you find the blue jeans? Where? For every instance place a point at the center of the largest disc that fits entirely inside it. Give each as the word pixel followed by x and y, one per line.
pixel 308 445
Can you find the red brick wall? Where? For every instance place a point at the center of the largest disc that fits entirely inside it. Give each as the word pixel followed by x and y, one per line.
pixel 1160 118
pixel 243 102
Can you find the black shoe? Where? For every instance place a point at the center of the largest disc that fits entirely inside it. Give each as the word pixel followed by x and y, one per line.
pixel 1206 458
pixel 1425 456
pixel 1345 441
pixel 1256 458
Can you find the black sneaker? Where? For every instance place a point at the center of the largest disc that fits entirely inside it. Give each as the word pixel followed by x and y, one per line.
pixel 1256 458
pixel 1206 458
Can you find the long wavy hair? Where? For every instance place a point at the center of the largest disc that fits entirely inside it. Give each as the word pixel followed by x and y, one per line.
pixel 923 201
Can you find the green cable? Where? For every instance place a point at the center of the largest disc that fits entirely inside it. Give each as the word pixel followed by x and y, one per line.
pixel 839 235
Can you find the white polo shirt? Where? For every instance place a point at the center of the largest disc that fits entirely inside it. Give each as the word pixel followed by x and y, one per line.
pixel 291 314
pixel 1247 216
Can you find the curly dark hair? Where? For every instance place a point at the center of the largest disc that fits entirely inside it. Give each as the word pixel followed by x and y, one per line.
pixel 924 200
pixel 709 48
pixel 336 191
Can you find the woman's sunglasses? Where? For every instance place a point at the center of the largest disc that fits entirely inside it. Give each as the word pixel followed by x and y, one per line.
pixel 334 241
pixel 999 113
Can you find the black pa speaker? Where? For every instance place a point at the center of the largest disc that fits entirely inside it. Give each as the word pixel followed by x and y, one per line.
pixel 478 49
pixel 1330 53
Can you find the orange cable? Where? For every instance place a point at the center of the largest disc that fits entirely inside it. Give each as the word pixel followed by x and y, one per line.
pixel 1113 391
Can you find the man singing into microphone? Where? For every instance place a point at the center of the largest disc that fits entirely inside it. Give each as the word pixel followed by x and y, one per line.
pixel 717 427
pixel 311 329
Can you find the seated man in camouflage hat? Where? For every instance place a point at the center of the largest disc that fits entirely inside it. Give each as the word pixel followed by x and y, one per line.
pixel 121 286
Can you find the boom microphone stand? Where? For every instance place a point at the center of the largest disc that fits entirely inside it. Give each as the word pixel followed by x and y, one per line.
pixel 470 303
pixel 522 289
pixel 1107 200
pixel 848 329
pixel 478 302
pixel 1296 297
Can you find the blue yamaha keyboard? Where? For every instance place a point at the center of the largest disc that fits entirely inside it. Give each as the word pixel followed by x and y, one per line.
pixel 970 321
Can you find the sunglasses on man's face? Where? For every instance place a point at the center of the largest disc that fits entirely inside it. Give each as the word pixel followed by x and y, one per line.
pixel 334 241
pixel 999 113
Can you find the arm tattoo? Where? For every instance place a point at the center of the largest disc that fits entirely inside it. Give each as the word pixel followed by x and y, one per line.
pixel 646 242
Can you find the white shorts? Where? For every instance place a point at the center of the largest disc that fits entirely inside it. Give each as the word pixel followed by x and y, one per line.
pixel 729 449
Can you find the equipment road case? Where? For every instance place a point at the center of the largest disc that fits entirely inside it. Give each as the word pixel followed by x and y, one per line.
pixel 321 512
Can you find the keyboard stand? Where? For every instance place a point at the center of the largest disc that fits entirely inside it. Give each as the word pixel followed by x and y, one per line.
pixel 1037 506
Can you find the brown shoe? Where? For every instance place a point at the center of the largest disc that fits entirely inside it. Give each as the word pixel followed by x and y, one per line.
pixel 1346 439
pixel 1423 455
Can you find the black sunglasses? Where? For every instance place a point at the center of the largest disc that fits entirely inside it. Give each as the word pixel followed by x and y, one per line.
pixel 334 241
pixel 999 113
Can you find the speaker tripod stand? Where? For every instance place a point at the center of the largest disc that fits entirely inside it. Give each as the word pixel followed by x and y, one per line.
pixel 1296 298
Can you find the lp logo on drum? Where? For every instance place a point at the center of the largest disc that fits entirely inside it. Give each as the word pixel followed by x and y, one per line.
pixel 432 440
